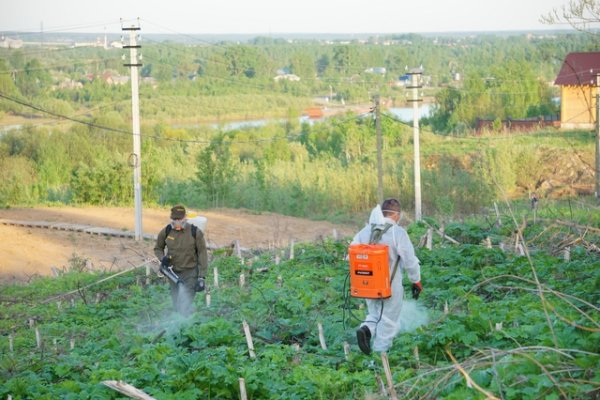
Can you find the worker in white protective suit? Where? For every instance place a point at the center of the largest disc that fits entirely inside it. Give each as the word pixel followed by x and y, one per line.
pixel 383 319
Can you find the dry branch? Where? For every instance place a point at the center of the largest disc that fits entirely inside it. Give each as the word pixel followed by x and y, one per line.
pixel 127 390
pixel 469 380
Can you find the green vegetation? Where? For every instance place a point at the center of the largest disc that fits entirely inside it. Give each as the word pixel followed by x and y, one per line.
pixel 326 170
pixel 474 76
pixel 321 170
pixel 512 341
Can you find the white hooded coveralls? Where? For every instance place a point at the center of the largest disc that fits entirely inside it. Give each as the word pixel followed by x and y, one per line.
pixel 398 243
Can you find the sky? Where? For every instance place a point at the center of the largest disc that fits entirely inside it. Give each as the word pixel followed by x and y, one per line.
pixel 277 16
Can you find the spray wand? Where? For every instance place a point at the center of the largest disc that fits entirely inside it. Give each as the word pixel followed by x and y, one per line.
pixel 167 269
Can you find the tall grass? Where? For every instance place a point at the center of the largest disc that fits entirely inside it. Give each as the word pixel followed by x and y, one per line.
pixel 458 176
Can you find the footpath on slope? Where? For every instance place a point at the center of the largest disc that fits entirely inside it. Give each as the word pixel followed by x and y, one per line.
pixel 30 251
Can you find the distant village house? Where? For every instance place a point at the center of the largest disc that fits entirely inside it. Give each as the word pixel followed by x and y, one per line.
pixel 287 77
pixel 8 43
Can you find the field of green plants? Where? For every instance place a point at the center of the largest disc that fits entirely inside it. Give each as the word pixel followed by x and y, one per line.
pixel 515 316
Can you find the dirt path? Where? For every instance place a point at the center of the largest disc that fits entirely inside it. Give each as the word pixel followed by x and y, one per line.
pixel 30 251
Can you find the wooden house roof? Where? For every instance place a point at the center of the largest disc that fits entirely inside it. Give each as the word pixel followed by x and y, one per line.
pixel 579 69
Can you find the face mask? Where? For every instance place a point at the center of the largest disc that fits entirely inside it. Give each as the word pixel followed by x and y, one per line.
pixel 178 224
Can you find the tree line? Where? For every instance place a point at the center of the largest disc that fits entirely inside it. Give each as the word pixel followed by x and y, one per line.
pixel 470 77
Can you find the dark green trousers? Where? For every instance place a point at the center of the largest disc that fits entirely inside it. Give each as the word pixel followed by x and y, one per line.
pixel 183 294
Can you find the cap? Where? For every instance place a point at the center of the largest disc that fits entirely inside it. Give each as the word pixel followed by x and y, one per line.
pixel 178 212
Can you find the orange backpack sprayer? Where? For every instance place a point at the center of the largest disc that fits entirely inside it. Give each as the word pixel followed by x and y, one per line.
pixel 370 268
pixel 369 271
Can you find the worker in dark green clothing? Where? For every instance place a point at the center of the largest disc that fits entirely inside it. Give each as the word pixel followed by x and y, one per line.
pixel 181 247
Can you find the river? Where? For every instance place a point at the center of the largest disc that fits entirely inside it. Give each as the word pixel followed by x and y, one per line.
pixel 402 113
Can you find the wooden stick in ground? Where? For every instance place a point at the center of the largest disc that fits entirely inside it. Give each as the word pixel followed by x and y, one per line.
pixel 249 339
pixel 216 277
pixel 429 239
pixel 498 220
pixel 488 243
pixel 292 249
pixel 567 254
pixel 347 350
pixel 127 390
pixel 38 338
pixel 388 376
pixel 11 343
pixel 416 354
pixel 243 394
pixel 242 280
pixel 208 298
pixel 381 385
pixel 237 249
pixel 322 336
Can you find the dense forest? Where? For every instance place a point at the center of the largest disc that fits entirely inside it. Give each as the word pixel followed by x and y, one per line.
pixel 73 110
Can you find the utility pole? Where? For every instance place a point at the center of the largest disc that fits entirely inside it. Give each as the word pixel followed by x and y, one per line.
pixel 379 149
pixel 415 85
pixel 597 137
pixel 136 157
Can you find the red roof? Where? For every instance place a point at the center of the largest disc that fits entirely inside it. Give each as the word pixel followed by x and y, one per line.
pixel 579 69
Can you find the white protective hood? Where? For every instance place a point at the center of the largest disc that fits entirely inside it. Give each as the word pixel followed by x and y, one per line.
pixel 376 217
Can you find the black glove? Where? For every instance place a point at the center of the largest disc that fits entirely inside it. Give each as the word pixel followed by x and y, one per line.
pixel 417 288
pixel 200 285
pixel 166 261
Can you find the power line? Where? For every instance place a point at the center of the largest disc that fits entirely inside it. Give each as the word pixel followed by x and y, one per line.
pixel 59 29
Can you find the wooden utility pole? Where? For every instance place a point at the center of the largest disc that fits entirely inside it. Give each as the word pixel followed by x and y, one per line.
pixel 415 85
pixel 379 149
pixel 136 157
pixel 597 136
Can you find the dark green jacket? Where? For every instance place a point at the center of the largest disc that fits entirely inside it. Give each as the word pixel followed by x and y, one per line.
pixel 185 254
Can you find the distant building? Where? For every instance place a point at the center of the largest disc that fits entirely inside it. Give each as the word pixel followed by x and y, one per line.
pixel 376 70
pixel 287 77
pixel 578 88
pixel 404 80
pixel 313 113
pixel 8 43
pixel 114 79
pixel 68 83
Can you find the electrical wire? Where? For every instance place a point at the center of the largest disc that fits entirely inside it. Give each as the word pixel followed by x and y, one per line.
pixel 190 141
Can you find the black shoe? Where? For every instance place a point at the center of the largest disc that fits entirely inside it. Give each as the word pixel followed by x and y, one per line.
pixel 363 336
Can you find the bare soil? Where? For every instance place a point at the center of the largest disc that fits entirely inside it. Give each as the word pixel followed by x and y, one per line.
pixel 28 252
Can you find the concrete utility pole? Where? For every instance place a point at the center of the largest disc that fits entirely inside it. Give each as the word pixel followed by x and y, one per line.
pixel 379 149
pixel 597 136
pixel 136 157
pixel 415 85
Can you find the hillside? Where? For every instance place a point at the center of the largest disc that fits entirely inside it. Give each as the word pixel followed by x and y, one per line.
pixel 31 251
